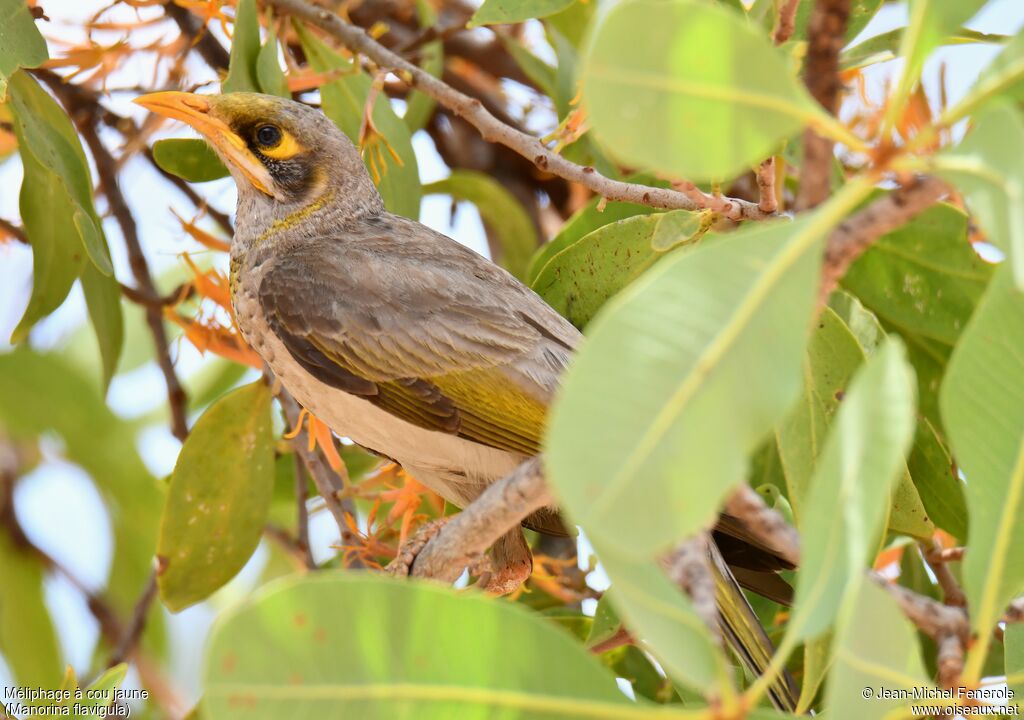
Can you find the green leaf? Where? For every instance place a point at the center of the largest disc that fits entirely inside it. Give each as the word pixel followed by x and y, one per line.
pixel 606 621
pixel 100 693
pixel 581 278
pixel 1013 642
pixel 499 210
pixel 984 168
pixel 190 159
pixel 243 70
pixel 21 43
pixel 55 192
pixel 103 300
pixel 935 478
pixel 47 212
pixel 983 407
pixel 923 278
pixel 655 609
pixel 632 665
pixel 344 101
pixel 713 94
pixel 876 647
pixel 592 216
pixel 1004 76
pixel 219 497
pixel 27 638
pixel 493 12
pixel 844 514
pixel 542 74
pixel 861 12
pixel 268 70
pixel 885 46
pixel 364 646
pixel 661 406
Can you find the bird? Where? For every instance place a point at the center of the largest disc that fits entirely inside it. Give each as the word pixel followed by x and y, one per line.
pixel 410 344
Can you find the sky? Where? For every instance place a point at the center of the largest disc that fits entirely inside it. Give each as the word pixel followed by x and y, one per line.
pixel 57 503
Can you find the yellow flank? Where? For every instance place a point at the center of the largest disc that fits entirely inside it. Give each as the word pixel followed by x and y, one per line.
pixel 296 217
pixel 288 148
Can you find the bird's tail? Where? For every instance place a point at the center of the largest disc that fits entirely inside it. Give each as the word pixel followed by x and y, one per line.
pixel 743 631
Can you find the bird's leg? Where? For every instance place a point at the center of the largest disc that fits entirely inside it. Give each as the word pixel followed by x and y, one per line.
pixel 401 566
pixel 511 563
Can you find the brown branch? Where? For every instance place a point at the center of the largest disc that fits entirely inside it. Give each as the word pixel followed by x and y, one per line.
pixel 16 232
pixel 302 514
pixel 84 110
pixel 768 201
pixel 323 476
pixel 687 565
pixel 931 617
pixel 199 36
pixel 826 30
pixel 468 535
pixel 785 23
pixel 492 130
pixel 856 234
pixel 765 524
pixel 950 660
pixel 619 639
pixel 952 593
pixel 133 633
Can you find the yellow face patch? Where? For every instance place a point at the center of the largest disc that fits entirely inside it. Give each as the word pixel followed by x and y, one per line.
pixel 286 149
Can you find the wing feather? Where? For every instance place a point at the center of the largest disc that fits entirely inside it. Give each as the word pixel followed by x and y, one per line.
pixel 424 328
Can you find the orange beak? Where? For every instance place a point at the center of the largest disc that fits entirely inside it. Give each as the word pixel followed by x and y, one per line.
pixel 197 111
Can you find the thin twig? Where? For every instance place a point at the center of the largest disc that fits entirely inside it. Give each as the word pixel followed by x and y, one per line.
pixel 15 231
pixel 855 234
pixel 206 44
pixel 952 593
pixel 492 130
pixel 323 476
pixel 826 31
pixel 133 633
pixel 302 514
pixel 468 535
pixel 785 24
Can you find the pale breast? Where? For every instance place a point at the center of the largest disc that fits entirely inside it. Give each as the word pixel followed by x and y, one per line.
pixel 455 468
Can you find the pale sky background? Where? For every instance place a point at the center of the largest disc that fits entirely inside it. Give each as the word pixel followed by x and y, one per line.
pixel 57 503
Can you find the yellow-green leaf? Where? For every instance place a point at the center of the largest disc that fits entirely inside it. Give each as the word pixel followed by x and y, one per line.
pixel 493 12
pixel 219 497
pixel 21 43
pixel 982 403
pixel 662 405
pixel 582 277
pixel 27 639
pixel 710 92
pixel 189 159
pixel 243 73
pixel 337 645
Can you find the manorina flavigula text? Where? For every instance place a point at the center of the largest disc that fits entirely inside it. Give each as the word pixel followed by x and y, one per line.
pixel 397 336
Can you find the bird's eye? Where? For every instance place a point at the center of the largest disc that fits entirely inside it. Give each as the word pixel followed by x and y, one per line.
pixel 268 135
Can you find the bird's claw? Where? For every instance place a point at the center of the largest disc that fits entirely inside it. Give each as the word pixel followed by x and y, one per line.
pixel 401 566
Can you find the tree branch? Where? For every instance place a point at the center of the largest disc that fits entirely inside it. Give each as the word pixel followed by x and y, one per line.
pixel 206 44
pixel 933 618
pixel 688 566
pixel 856 234
pixel 492 130
pixel 468 535
pixel 765 523
pixel 16 232
pixel 826 31
pixel 322 474
pixel 785 24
